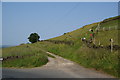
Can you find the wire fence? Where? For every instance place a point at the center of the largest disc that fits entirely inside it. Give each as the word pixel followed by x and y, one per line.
pixel 103 37
pixel 107 28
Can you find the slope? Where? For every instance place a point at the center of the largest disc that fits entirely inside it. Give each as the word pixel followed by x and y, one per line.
pixel 92 52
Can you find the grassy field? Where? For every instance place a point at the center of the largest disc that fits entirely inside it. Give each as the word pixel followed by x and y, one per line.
pixel 98 58
pixel 24 56
pixel 95 55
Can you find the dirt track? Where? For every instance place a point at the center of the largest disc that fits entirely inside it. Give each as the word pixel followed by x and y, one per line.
pixel 56 68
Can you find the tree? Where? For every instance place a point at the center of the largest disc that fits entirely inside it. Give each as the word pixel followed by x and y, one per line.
pixel 34 37
pixel 64 33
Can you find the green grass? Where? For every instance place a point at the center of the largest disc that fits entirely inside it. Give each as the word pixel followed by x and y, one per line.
pixel 1 56
pixel 21 50
pixel 32 56
pixel 0 52
pixel 50 56
pixel 27 62
pixel 112 34
pixel 100 59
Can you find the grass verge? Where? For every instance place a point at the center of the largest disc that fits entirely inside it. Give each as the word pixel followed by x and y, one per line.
pixel 25 56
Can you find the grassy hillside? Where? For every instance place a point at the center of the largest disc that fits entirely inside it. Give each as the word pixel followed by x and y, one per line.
pixel 26 55
pixel 96 54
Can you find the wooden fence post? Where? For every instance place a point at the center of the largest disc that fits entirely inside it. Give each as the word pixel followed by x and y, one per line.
pixel 99 43
pixel 109 28
pixel 93 40
pixel 103 28
pixel 115 27
pixel 98 27
pixel 111 42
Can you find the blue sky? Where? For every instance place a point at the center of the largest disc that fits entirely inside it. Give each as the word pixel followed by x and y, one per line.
pixel 50 19
pixel 0 24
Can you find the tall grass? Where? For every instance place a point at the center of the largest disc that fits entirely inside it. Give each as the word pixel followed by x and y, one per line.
pixel 27 62
pixel 0 56
pixel 100 58
pixel 31 56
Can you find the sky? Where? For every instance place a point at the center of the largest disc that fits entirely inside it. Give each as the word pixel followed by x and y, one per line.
pixel 50 19
pixel 0 24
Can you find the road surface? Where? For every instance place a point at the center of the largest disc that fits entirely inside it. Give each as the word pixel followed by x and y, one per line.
pixel 56 68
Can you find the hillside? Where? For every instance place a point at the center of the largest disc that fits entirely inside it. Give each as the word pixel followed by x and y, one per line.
pixel 90 46
pixel 23 56
pixel 93 52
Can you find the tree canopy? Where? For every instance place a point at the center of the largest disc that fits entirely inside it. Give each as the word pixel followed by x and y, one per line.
pixel 34 37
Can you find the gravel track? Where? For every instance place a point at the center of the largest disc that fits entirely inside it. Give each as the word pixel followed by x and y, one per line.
pixel 57 67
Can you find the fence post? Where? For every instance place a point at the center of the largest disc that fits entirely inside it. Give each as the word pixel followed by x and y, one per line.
pixel 103 28
pixel 98 27
pixel 93 40
pixel 109 28
pixel 115 27
pixel 111 42
pixel 99 43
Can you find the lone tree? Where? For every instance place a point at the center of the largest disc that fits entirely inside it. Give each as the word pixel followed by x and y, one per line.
pixel 34 37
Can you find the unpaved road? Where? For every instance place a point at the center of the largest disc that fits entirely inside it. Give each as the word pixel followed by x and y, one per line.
pixel 56 68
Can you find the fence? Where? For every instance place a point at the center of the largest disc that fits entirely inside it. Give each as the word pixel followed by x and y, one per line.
pixel 59 42
pixel 103 39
